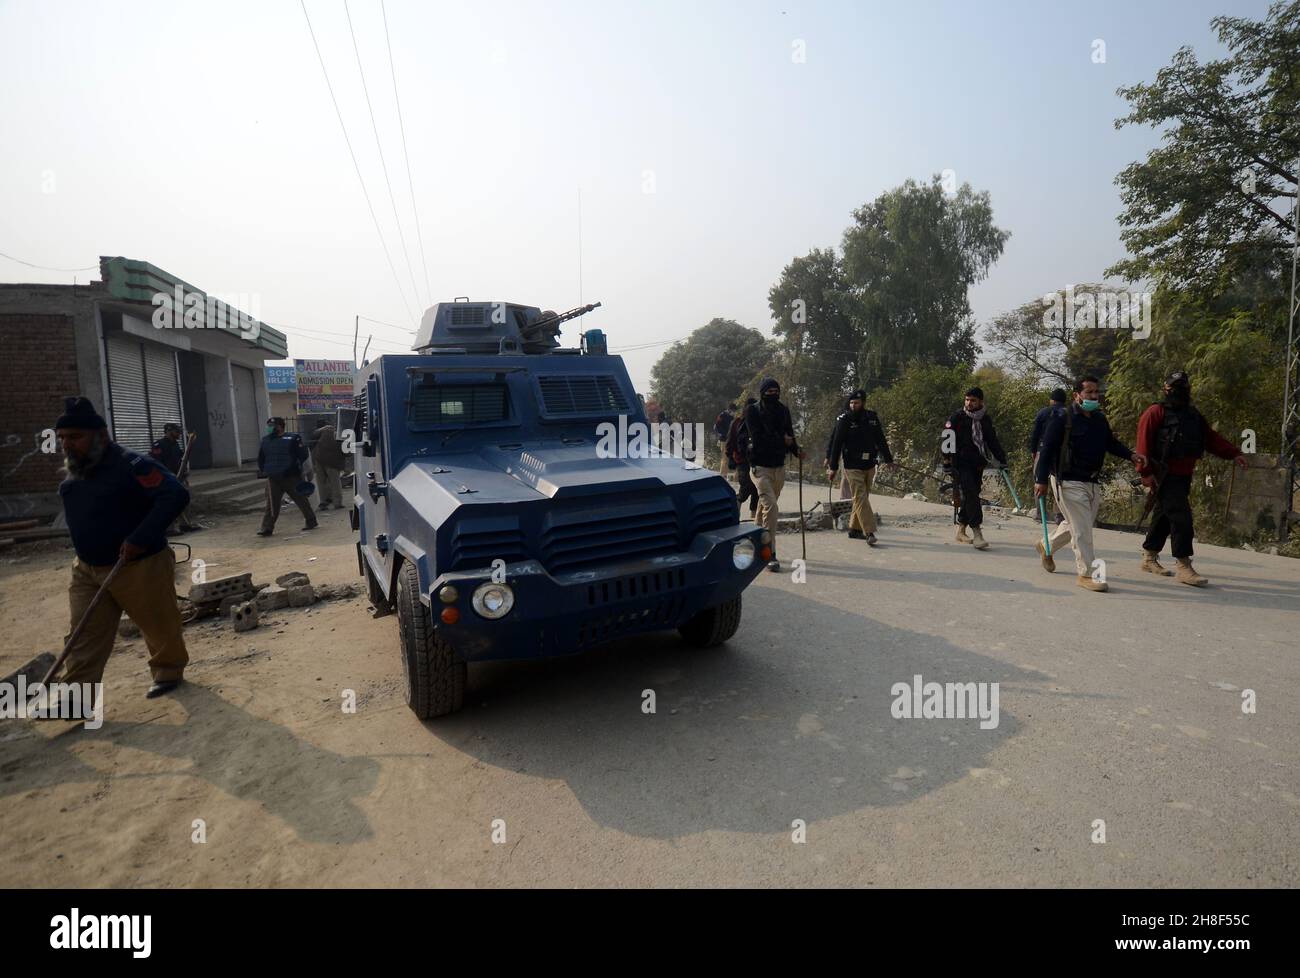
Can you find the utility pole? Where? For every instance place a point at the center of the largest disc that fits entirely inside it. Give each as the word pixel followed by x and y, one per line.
pixel 1291 395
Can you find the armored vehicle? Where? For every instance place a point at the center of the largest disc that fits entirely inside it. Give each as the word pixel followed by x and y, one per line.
pixel 501 518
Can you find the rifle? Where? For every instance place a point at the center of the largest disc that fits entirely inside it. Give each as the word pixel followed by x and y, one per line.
pixel 1159 469
pixel 1158 472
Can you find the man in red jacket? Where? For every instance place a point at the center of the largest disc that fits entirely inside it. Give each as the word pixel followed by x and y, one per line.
pixel 1176 434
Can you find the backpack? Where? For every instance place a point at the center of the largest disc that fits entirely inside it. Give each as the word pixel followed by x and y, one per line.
pixel 737 441
pixel 1182 434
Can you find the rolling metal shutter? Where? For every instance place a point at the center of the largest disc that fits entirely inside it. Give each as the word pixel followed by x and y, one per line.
pixel 127 395
pixel 162 387
pixel 249 422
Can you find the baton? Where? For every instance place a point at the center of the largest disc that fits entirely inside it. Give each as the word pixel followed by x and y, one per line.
pixel 803 536
pixel 1007 479
pixel 1042 512
pixel 85 619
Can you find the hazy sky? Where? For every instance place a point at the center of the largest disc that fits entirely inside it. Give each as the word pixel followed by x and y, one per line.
pixel 201 137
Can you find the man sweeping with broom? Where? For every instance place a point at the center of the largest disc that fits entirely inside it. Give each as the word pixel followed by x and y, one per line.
pixel 118 505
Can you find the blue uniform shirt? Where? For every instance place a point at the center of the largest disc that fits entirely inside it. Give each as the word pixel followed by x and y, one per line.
pixel 125 497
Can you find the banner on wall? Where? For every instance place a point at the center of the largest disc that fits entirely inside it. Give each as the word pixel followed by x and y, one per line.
pixel 323 385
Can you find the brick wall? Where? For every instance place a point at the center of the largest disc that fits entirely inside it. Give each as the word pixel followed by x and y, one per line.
pixel 38 368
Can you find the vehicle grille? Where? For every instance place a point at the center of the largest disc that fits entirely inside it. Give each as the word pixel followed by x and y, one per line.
pixel 587 537
pixel 473 547
pixel 467 315
pixel 659 614
pixel 711 514
pixel 567 394
pixel 656 584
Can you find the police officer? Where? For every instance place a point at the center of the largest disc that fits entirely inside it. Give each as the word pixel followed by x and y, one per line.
pixel 1073 449
pixel 771 437
pixel 737 449
pixel 971 447
pixel 858 437
pixel 1056 402
pixel 118 505
pixel 1173 435
pixel 721 429
pixel 279 462
pixel 167 450
pixel 327 453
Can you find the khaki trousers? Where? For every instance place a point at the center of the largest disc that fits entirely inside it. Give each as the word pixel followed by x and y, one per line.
pixel 330 485
pixel 146 590
pixel 1061 535
pixel 1079 501
pixel 722 464
pixel 862 517
pixel 769 482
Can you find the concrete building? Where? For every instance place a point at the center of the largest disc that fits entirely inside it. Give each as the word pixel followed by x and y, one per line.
pixel 147 348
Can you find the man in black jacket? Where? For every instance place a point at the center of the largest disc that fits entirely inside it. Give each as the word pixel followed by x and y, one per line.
pixel 969 444
pixel 279 461
pixel 737 450
pixel 857 437
pixel 169 452
pixel 1055 403
pixel 1073 449
pixel 771 438
pixel 118 505
pixel 721 429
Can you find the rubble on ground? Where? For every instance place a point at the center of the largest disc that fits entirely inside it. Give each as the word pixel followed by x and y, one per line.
pixel 242 602
pixel 244 616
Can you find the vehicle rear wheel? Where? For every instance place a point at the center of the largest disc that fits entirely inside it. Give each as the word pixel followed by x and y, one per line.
pixel 713 626
pixel 434 680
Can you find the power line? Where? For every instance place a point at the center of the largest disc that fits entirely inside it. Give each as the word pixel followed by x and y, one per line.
pixel 47 268
pixel 365 193
pixel 415 291
pixel 382 323
pixel 428 292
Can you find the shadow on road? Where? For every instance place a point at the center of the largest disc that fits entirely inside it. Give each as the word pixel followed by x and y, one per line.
pixel 313 790
pixel 788 720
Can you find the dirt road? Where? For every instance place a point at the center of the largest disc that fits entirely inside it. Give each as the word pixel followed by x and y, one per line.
pixel 1123 708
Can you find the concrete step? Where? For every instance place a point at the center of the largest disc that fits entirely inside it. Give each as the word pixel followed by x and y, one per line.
pixel 217 483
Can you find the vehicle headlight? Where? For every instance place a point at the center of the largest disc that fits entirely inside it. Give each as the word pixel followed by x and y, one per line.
pixel 742 554
pixel 493 601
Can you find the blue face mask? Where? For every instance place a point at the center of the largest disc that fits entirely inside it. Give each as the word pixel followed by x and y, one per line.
pixel 1090 405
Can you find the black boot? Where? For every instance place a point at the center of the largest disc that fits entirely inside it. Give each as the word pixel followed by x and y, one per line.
pixel 162 687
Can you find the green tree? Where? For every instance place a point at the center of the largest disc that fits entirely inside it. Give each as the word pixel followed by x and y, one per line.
pixel 810 306
pixel 1214 199
pixel 699 376
pixel 910 258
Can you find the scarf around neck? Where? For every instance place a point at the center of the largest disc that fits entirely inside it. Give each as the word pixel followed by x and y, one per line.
pixel 977 430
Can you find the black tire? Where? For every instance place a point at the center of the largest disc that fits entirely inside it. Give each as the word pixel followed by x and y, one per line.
pixel 714 625
pixel 434 680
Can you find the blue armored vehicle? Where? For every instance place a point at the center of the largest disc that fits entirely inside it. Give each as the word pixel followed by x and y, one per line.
pixel 501 518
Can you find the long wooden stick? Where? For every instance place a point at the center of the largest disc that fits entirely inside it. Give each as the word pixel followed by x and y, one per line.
pixel 85 618
pixel 1232 481
pixel 803 536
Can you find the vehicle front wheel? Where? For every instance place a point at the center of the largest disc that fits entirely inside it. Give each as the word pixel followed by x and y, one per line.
pixel 434 680
pixel 713 626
